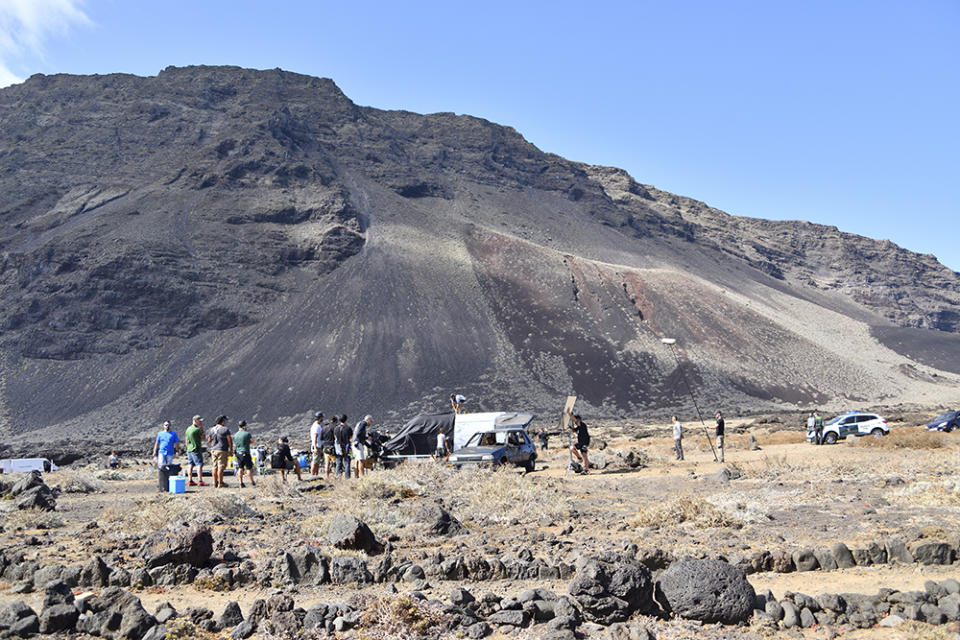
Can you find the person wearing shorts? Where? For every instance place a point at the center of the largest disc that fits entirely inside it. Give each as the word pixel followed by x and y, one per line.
pixel 194 437
pixel 221 447
pixel 327 446
pixel 579 448
pixel 241 444
pixel 165 446
pixel 359 445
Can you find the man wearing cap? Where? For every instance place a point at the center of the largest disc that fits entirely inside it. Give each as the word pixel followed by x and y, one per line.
pixel 360 444
pixel 315 429
pixel 194 437
pixel 165 446
pixel 221 447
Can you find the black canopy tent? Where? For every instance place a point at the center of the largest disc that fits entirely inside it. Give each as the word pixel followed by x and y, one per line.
pixel 419 436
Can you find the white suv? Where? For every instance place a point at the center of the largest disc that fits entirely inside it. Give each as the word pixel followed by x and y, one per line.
pixel 854 423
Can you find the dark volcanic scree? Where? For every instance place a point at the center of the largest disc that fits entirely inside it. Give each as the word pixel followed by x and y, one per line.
pixel 220 239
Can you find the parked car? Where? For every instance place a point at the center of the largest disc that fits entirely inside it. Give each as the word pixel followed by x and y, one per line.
pixel 497 447
pixel 945 422
pixel 854 423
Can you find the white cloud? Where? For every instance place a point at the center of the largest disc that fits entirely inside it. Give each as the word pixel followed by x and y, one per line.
pixel 26 24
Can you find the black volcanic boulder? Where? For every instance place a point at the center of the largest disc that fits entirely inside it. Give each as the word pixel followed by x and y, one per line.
pixel 436 521
pixel 609 588
pixel 27 482
pixel 706 590
pixel 12 612
pixel 95 573
pixel 191 545
pixel 37 498
pixel 57 618
pixel 347 532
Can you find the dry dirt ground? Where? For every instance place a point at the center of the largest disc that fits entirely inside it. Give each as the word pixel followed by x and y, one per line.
pixel 789 495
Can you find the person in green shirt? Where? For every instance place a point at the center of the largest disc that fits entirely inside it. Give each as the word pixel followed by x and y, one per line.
pixel 194 436
pixel 241 446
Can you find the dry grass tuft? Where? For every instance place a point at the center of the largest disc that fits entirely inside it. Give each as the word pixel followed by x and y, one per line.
pixel 474 496
pixel 75 482
pixel 782 436
pixel 906 438
pixel 28 519
pixel 776 467
pixel 912 630
pixel 928 494
pixel 399 618
pixel 156 512
pixel 678 510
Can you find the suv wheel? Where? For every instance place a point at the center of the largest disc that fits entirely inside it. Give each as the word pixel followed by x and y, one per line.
pixel 830 438
pixel 877 432
pixel 530 464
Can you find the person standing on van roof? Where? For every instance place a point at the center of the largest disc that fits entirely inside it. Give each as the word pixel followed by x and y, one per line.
pixel 315 453
pixel 165 446
pixel 456 402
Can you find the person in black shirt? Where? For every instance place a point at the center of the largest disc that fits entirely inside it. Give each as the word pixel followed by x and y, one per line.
pixel 720 433
pixel 543 436
pixel 327 440
pixel 283 460
pixel 341 444
pixel 579 448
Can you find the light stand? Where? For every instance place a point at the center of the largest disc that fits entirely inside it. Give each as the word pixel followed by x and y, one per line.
pixel 671 342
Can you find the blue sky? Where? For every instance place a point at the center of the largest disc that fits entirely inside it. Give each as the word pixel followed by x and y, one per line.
pixel 843 113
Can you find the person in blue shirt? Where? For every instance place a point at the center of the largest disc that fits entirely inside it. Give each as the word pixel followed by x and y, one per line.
pixel 166 445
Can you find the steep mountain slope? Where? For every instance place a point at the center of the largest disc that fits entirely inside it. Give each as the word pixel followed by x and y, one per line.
pixel 252 242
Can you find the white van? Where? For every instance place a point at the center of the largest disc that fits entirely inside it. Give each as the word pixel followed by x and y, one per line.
pixel 25 465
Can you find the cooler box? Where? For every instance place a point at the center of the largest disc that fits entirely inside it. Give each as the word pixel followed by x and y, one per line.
pixel 304 461
pixel 178 484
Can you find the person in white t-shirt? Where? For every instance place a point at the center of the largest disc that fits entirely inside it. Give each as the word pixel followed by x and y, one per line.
pixel 678 437
pixel 315 452
pixel 441 452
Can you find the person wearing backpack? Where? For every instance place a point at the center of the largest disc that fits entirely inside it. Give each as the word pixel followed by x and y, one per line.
pixel 360 453
pixel 342 436
pixel 282 459
pixel 327 441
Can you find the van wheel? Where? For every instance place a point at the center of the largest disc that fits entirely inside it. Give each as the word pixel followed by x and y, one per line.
pixel 877 432
pixel 830 438
pixel 530 464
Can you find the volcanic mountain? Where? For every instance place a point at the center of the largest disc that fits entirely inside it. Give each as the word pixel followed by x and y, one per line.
pixel 223 240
